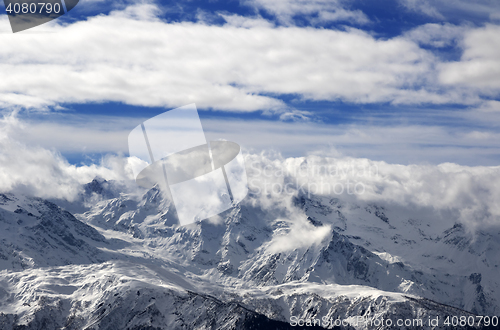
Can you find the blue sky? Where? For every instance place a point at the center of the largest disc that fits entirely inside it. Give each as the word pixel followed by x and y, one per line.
pixel 402 81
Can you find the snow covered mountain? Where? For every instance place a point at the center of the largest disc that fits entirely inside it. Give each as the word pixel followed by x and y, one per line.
pixel 121 262
pixel 37 233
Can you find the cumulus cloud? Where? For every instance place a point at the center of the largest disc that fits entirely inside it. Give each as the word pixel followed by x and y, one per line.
pixel 132 56
pixel 317 11
pixel 490 106
pixel 382 139
pixel 469 193
pixel 479 66
pixel 300 234
pixel 438 35
pixel 422 6
pixel 45 173
pixel 70 133
pixel 128 56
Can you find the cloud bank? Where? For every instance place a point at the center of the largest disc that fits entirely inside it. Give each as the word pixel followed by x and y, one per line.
pixel 316 11
pixel 472 193
pixel 452 9
pixel 40 172
pixel 132 56
pixel 416 141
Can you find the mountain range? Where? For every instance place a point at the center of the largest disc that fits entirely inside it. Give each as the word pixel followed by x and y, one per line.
pixel 115 258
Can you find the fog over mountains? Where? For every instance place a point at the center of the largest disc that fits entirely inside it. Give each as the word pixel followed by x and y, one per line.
pixel 114 258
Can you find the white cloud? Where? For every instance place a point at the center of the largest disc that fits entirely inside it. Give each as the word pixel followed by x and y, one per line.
pixel 482 10
pixel 472 193
pixel 246 22
pixel 469 193
pixel 479 66
pixel 301 234
pixel 45 173
pixel 131 56
pixel 318 11
pixel 422 6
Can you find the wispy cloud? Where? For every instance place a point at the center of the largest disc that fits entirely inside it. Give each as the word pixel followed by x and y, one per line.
pixel 316 11
pixel 41 172
pixel 479 10
pixel 479 66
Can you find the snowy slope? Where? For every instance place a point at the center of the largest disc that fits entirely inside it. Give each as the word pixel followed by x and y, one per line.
pixel 36 233
pixel 395 250
pixel 124 263
pixel 462 266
